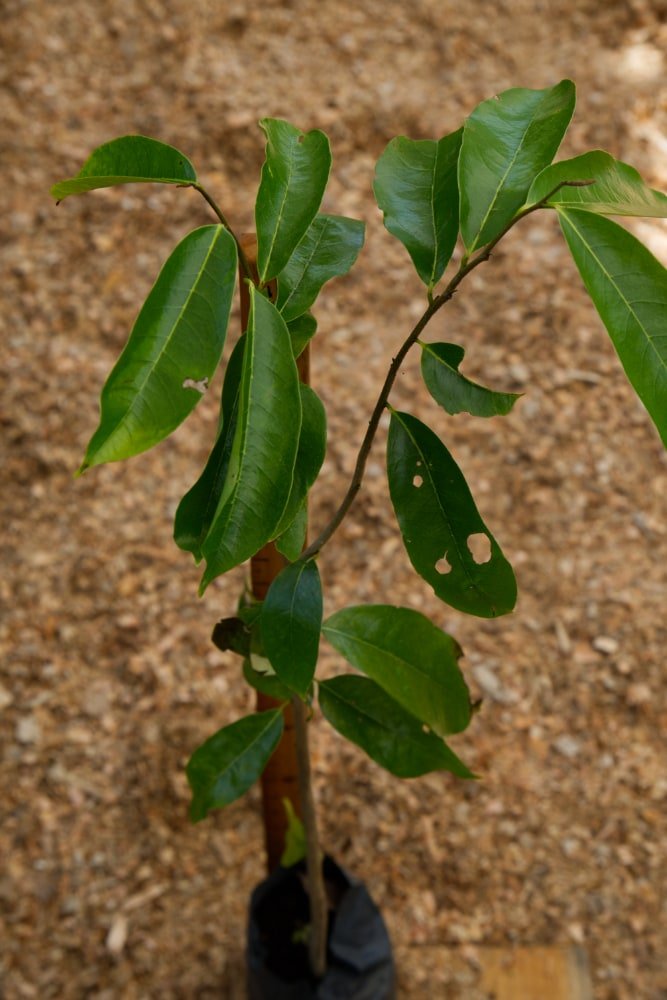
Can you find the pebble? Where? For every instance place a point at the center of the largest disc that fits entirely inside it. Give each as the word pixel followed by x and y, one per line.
pixel 6 697
pixel 605 644
pixel 568 746
pixel 638 694
pixel 117 936
pixel 28 730
pixel 492 687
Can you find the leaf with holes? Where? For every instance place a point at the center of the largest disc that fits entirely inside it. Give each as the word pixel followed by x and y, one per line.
pixel 230 762
pixel 618 188
pixel 264 449
pixel 294 176
pixel 128 160
pixel 412 660
pixel 173 350
pixel 290 623
pixel 195 512
pixel 455 393
pixel 507 141
pixel 628 287
pixel 365 714
pixel 328 250
pixel 417 191
pixel 440 523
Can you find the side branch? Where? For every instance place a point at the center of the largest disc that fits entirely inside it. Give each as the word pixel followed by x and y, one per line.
pixel 245 266
pixel 435 303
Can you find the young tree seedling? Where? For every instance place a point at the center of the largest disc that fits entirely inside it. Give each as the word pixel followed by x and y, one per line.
pixel 407 694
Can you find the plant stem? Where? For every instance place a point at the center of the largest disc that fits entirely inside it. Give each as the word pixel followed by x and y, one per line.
pixel 319 915
pixel 245 265
pixel 467 265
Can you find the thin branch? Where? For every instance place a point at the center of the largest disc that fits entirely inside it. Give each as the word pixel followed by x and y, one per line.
pixel 319 911
pixel 467 265
pixel 220 214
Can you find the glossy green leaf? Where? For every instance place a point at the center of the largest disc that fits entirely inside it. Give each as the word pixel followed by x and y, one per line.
pixel 295 838
pixel 416 188
pixel 294 176
pixel 266 683
pixel 328 250
pixel 628 287
pixel 309 457
pixel 453 391
pixel 409 657
pixel 618 188
pixel 229 762
pixel 291 622
pixel 362 712
pixel 195 512
pixel 441 525
pixel 173 350
pixel 293 539
pixel 128 160
pixel 301 331
pixel 507 141
pixel 266 438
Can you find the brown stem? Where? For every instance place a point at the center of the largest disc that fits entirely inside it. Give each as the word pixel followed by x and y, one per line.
pixel 319 913
pixel 435 303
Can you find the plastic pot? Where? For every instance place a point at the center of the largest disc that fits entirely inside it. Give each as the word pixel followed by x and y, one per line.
pixel 360 964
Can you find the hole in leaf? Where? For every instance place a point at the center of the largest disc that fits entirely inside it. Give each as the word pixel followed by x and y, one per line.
pixel 417 481
pixel 199 385
pixel 443 566
pixel 480 547
pixel 425 728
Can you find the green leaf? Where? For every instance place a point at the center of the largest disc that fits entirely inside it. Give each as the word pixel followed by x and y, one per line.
pixel 229 762
pixel 292 541
pixel 291 622
pixel 618 188
pixel 128 160
pixel 412 660
pixel 362 712
pixel 453 391
pixel 294 176
pixel 173 350
pixel 195 512
pixel 267 683
pixel 628 287
pixel 416 189
pixel 507 141
pixel 309 457
pixel 329 249
pixel 261 465
pixel 302 330
pixel 441 525
pixel 295 838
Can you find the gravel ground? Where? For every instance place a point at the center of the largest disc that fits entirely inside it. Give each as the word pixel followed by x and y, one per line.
pixel 109 678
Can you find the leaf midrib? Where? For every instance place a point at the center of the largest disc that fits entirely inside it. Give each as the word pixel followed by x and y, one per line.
pixel 281 211
pixel 150 370
pixel 306 264
pixel 650 340
pixel 262 732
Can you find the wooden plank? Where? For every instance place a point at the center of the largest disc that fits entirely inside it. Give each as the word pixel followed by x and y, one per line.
pixel 536 973
pixel 474 972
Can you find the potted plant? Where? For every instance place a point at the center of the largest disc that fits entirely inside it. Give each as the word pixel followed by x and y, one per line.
pixel 408 694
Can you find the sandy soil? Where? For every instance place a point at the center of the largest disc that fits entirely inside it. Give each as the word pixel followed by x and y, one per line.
pixel 109 678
